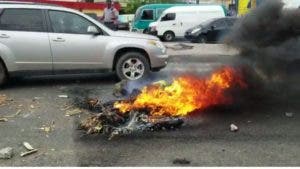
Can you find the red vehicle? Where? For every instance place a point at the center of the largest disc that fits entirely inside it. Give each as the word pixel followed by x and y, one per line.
pixel 85 7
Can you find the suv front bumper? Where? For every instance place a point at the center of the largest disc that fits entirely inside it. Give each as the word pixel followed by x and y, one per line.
pixel 159 61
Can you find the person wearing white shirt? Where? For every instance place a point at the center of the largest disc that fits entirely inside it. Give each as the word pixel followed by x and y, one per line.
pixel 110 15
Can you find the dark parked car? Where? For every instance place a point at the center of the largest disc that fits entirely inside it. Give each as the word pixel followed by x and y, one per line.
pixel 211 30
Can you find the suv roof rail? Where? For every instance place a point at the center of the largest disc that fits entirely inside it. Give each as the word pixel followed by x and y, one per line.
pixel 26 3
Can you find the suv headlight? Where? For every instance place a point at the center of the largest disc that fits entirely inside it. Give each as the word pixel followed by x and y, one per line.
pixel 158 44
pixel 196 30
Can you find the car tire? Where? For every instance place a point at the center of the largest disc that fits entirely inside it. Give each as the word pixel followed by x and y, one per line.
pixel 132 66
pixel 3 74
pixel 202 39
pixel 168 36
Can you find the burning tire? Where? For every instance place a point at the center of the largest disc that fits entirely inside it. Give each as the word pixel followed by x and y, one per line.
pixel 132 66
pixel 3 75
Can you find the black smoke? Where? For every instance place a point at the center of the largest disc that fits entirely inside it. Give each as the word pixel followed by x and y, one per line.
pixel 268 39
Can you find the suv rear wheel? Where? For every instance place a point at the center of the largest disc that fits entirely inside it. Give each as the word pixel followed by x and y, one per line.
pixel 3 75
pixel 132 66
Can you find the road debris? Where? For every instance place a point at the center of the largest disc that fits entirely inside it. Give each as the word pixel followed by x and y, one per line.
pixel 120 89
pixel 110 122
pixel 2 119
pixel 92 102
pixel 289 114
pixel 181 161
pixel 66 107
pixel 63 96
pixel 233 128
pixel 162 105
pixel 73 112
pixel 11 116
pixel 4 100
pixel 6 153
pixel 23 154
pixel 36 98
pixel 48 128
pixel 27 146
pixel 161 83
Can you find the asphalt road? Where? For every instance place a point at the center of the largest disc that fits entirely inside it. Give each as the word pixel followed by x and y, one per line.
pixel 266 136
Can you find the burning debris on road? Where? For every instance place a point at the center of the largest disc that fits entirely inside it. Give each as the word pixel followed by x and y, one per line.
pixel 159 107
pixel 111 122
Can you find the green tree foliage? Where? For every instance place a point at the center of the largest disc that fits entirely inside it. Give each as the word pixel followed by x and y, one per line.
pixel 132 5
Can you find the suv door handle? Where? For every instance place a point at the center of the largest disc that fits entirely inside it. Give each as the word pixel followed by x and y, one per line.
pixel 58 39
pixel 174 24
pixel 4 36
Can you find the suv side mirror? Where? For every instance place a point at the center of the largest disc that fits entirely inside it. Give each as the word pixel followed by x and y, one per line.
pixel 92 30
pixel 213 27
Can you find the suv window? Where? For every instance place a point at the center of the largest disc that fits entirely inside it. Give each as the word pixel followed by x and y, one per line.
pixel 66 22
pixel 147 15
pixel 169 17
pixel 22 20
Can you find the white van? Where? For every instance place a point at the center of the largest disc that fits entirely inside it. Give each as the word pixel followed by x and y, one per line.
pixel 291 3
pixel 176 20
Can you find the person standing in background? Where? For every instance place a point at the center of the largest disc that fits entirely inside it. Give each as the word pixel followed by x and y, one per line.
pixel 232 10
pixel 110 15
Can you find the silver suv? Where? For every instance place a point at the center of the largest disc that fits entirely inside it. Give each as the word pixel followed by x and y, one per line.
pixel 38 39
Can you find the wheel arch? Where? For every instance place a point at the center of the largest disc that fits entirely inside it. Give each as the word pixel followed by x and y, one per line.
pixel 7 58
pixel 171 32
pixel 5 67
pixel 122 51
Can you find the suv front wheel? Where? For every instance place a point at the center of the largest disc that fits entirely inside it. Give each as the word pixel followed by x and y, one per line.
pixel 132 66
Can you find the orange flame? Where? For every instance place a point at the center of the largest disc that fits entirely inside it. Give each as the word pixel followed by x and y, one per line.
pixel 185 94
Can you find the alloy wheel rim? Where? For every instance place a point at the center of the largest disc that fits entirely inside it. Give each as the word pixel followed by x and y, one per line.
pixel 133 68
